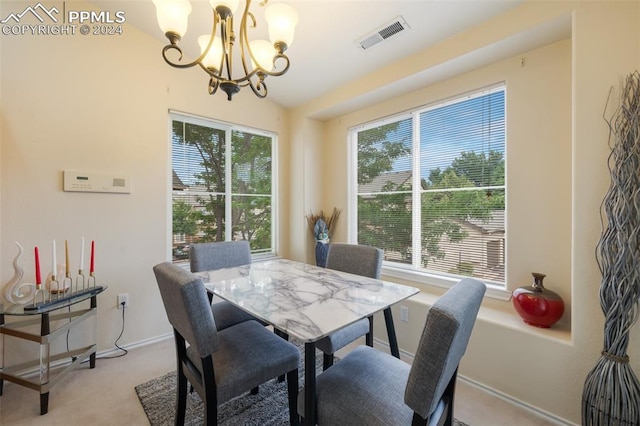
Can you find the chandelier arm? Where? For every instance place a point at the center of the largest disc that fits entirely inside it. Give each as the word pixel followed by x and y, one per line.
pixel 279 56
pixel 260 90
pixel 226 34
pixel 213 85
pixel 174 46
pixel 244 45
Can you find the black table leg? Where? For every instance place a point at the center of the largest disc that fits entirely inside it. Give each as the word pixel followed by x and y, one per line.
pixel 45 330
pixel 92 357
pixel 44 403
pixel 1 324
pixel 309 383
pixel 391 332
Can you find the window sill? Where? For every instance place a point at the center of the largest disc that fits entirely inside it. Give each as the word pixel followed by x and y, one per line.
pixel 496 309
pixel 422 278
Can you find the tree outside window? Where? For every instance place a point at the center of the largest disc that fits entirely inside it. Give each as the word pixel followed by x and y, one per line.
pixel 453 167
pixel 222 176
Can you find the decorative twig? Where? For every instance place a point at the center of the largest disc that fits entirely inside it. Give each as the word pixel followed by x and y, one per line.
pixel 611 394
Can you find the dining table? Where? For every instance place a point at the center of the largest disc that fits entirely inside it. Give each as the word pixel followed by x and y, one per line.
pixel 306 302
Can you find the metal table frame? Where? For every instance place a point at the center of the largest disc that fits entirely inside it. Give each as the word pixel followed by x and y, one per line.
pixel 37 374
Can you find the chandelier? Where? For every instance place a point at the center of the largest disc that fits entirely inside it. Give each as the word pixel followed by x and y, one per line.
pixel 258 57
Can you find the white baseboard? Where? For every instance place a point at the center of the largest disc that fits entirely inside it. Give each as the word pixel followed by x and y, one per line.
pixel 548 417
pixel 138 344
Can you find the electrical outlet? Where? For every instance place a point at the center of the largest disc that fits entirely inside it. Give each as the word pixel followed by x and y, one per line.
pixel 123 298
pixel 404 313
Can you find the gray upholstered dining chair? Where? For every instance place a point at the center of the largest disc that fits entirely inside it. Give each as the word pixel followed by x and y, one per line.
pixel 219 255
pixel 370 387
pixel 220 365
pixel 359 260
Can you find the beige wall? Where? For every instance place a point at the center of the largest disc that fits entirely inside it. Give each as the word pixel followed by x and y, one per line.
pixel 557 178
pixel 539 170
pixel 100 104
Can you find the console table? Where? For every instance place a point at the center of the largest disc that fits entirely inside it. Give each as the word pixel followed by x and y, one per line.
pixel 38 374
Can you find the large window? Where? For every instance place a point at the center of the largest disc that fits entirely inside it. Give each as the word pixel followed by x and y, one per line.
pixel 431 187
pixel 223 187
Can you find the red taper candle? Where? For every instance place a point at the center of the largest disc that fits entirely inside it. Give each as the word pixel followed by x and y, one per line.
pixel 38 276
pixel 93 246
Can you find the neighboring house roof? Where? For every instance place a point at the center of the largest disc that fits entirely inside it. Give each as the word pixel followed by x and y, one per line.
pixel 495 223
pixel 177 182
pixel 379 182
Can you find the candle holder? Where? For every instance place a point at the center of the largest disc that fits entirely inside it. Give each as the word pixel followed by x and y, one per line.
pixel 91 282
pixel 57 286
pixel 44 298
pixel 58 291
pixel 39 292
pixel 51 286
pixel 80 280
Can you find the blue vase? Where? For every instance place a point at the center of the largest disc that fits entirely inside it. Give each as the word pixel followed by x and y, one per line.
pixel 321 253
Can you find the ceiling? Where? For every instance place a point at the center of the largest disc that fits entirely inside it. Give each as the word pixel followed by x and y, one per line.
pixel 324 54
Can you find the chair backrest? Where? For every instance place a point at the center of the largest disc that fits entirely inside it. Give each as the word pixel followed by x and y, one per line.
pixel 187 306
pixel 355 259
pixel 218 255
pixel 442 344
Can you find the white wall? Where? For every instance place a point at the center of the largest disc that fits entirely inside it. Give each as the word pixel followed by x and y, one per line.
pixel 100 103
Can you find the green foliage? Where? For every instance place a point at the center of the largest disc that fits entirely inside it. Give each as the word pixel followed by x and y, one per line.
pixel 376 153
pixel 185 219
pixel 385 220
pixel 251 176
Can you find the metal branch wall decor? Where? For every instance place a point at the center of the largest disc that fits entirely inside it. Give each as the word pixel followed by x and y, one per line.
pixel 611 394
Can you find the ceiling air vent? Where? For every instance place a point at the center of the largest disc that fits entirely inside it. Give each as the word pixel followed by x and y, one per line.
pixel 384 32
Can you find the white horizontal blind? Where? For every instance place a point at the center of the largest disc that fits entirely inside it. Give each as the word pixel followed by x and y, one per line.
pixel 458 152
pixel 251 199
pixel 221 176
pixel 384 188
pixel 462 147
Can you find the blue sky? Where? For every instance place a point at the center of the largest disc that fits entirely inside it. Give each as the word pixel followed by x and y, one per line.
pixel 476 124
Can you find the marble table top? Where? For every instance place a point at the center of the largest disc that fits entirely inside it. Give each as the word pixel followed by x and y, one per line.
pixel 305 301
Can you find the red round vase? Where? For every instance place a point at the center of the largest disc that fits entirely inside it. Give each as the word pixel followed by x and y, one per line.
pixel 536 305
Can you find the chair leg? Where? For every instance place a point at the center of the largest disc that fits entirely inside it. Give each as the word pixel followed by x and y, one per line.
pixel 210 393
pixel 369 336
pixel 451 392
pixel 285 336
pixel 181 398
pixel 181 379
pixel 418 421
pixel 292 390
pixel 327 361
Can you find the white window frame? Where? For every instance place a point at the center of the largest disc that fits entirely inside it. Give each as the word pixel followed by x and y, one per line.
pixel 395 269
pixel 228 128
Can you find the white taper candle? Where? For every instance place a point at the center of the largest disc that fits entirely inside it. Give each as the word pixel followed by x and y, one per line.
pixel 53 257
pixel 81 255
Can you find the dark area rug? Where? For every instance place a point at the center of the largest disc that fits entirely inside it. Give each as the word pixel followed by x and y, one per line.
pixel 268 407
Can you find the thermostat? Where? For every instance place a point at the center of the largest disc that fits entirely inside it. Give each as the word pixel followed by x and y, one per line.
pixel 96 182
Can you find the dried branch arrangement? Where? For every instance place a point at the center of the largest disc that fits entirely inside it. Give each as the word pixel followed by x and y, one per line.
pixel 611 394
pixel 330 221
